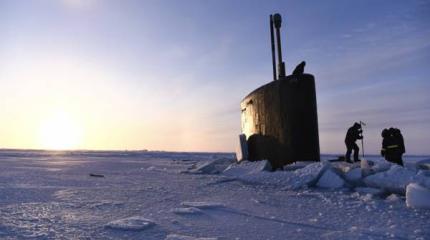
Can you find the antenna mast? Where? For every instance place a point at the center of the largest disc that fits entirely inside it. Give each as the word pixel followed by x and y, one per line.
pixel 277 20
pixel 272 41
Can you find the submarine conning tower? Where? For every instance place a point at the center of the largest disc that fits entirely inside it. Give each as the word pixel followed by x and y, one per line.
pixel 279 119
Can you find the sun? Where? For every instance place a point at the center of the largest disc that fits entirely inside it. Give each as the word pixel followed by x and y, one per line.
pixel 60 132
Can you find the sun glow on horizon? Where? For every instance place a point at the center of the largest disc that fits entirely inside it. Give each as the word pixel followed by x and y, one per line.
pixel 60 132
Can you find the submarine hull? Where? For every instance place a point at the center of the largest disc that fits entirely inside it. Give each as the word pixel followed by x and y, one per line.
pixel 280 121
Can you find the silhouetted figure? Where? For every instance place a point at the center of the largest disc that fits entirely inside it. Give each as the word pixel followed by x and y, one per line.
pixel 385 142
pixel 393 146
pixel 398 140
pixel 401 141
pixel 353 134
pixel 300 69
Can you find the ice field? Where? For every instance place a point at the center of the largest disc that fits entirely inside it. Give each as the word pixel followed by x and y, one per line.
pixel 162 195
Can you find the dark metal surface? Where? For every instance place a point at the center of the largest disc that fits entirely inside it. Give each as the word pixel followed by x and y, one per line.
pixel 280 121
pixel 277 19
pixel 272 43
pixel 281 65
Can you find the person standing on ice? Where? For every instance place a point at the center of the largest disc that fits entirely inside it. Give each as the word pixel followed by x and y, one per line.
pixel 385 141
pixel 393 145
pixel 353 134
pixel 398 139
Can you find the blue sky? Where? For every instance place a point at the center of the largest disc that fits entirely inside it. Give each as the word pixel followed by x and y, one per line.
pixel 169 75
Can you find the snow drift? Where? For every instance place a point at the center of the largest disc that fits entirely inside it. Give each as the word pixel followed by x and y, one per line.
pixel 135 223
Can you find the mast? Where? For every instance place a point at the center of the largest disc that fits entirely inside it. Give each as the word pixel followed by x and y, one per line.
pixel 272 41
pixel 277 19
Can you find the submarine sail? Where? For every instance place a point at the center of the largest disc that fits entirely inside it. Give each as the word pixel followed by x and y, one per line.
pixel 279 119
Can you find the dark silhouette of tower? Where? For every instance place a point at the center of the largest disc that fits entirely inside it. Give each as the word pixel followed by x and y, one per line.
pixel 280 118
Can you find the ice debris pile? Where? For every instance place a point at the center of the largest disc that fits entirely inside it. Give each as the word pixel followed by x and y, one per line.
pixel 377 178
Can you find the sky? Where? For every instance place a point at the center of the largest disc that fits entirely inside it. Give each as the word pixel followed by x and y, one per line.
pixel 170 75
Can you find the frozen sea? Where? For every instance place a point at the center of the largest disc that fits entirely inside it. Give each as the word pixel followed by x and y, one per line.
pixel 152 195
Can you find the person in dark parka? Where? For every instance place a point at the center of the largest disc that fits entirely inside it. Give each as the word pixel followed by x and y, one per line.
pixel 387 140
pixel 400 149
pixel 393 145
pixel 353 134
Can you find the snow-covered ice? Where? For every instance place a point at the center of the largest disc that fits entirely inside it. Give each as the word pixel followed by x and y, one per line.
pixel 134 223
pixel 393 198
pixel 417 196
pixel 309 175
pixel 202 205
pixel 247 167
pixel 369 190
pixel 423 164
pixel 211 167
pixel 329 179
pixel 186 210
pixel 353 175
pixel 395 179
pixel 156 195
pixel 381 166
pixel 184 237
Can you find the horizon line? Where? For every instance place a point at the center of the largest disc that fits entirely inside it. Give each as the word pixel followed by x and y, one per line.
pixel 172 151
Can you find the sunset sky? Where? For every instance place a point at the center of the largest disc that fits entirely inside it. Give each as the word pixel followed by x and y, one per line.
pixel 170 75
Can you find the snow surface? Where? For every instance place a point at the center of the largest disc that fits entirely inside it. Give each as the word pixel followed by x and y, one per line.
pixel 369 190
pixel 157 195
pixel 186 210
pixel 134 223
pixel 183 237
pixel 202 205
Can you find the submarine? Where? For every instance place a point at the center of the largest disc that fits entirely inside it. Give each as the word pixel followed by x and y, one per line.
pixel 279 120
